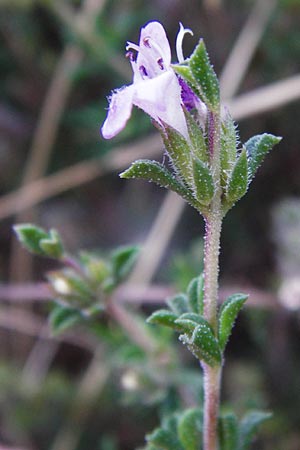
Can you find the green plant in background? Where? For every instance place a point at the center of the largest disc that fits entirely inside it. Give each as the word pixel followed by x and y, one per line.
pixel 211 172
pixel 83 286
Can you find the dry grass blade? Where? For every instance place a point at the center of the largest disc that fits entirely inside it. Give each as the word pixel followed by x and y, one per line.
pixel 88 390
pixel 266 98
pixel 80 173
pixel 30 324
pixel 245 47
pixel 157 239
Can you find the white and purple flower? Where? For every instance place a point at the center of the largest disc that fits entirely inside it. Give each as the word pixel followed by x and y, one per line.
pixel 156 89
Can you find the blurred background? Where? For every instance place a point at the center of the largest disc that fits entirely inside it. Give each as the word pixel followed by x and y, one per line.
pixel 93 389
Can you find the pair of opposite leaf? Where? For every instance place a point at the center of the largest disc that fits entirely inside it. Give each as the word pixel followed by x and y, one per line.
pixel 185 315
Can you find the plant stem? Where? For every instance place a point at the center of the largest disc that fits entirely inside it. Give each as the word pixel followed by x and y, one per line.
pixel 212 384
pixel 212 375
pixel 211 267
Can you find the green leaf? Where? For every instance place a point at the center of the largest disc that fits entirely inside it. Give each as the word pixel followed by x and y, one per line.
pixel 203 182
pixel 62 317
pixel 185 72
pixel 205 77
pixel 228 432
pixel 52 245
pixel 156 173
pixel 204 345
pixel 195 292
pixel 38 241
pixel 178 304
pixel 257 147
pixel 164 317
pixel 97 268
pixel 238 182
pixel 123 260
pixel 179 152
pixel 189 321
pixel 30 236
pixel 164 439
pixel 190 428
pixel 228 314
pixel 199 337
pixel 197 138
pixel 229 142
pixel 249 425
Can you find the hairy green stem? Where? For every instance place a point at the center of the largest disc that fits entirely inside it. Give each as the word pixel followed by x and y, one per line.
pixel 212 375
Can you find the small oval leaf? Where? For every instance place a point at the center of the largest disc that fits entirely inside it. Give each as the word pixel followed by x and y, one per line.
pixel 52 245
pixel 257 147
pixel 190 428
pixel 238 181
pixel 205 77
pixel 189 321
pixel 195 292
pixel 228 432
pixel 203 182
pixel 164 439
pixel 178 304
pixel 164 317
pixel 62 317
pixel 204 345
pixel 30 236
pixel 229 142
pixel 227 316
pixel 122 262
pixel 249 425
pixel 156 173
pixel 197 138
pixel 179 152
pixel 199 338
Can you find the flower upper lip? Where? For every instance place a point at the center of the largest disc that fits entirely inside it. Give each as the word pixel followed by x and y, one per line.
pixel 155 87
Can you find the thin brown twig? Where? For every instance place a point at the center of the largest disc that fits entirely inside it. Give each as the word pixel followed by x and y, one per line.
pixel 157 239
pixel 131 294
pixel 38 362
pixel 29 324
pixel 52 110
pixel 76 175
pixel 26 293
pixel 266 98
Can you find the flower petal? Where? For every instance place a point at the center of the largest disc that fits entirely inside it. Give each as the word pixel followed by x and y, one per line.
pixel 154 31
pixel 160 97
pixel 120 107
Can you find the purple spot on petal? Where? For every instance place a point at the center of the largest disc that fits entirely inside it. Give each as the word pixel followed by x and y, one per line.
pixel 160 62
pixel 143 71
pixel 146 42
